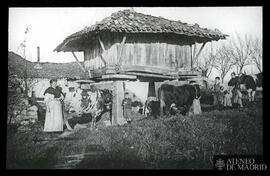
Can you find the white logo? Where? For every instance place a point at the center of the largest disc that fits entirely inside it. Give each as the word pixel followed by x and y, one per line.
pixel 220 164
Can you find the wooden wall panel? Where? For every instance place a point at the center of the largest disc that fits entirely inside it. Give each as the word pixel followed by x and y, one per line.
pixel 154 54
pixel 158 54
pixel 147 53
pixel 143 54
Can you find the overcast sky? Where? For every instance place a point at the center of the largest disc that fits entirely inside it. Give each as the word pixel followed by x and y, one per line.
pixel 48 27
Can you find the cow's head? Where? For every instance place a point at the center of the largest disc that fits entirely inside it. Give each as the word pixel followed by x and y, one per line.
pixel 107 95
pixel 241 78
pixel 107 98
pixel 173 109
pixel 152 107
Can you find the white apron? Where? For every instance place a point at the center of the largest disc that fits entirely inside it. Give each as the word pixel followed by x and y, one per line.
pixel 54 116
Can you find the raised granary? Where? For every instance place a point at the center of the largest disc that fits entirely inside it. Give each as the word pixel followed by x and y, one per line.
pixel 133 46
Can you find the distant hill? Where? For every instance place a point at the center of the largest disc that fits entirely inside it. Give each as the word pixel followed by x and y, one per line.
pixel 18 65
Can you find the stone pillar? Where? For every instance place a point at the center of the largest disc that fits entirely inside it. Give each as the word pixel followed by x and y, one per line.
pixel 117 109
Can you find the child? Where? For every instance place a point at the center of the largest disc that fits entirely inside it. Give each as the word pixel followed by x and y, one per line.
pixel 227 98
pixel 126 103
pixel 217 92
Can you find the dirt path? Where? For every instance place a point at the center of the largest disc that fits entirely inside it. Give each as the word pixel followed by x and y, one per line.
pixel 84 160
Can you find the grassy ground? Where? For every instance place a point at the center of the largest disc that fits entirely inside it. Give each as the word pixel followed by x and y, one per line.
pixel 170 142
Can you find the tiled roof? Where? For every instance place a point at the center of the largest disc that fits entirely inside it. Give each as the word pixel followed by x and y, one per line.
pixel 17 65
pixel 129 21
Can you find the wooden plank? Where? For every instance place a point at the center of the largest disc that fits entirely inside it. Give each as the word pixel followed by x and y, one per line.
pixel 158 53
pixel 78 61
pixel 161 54
pixel 191 64
pixel 173 57
pixel 113 54
pixel 121 50
pixel 154 54
pixel 165 54
pixel 177 56
pixel 118 76
pixel 143 54
pixel 137 53
pixel 130 54
pixel 147 68
pixel 150 75
pixel 148 53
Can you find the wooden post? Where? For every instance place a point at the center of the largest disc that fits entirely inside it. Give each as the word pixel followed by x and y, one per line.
pixel 200 51
pixel 121 50
pixel 194 51
pixel 117 109
pixel 101 43
pixel 103 48
pixel 161 98
pixel 103 60
pixel 78 61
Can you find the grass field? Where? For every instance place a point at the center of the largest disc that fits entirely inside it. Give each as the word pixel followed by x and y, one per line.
pixel 170 142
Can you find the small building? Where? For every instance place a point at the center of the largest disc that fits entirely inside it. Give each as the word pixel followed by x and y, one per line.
pixel 38 78
pixel 129 46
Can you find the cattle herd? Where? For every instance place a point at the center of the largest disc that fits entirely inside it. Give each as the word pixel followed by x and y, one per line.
pixel 170 99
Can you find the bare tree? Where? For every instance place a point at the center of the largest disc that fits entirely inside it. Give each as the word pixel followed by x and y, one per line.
pixel 256 53
pixel 223 61
pixel 206 62
pixel 240 51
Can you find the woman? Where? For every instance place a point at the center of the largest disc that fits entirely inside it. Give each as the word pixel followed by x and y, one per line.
pixel 54 116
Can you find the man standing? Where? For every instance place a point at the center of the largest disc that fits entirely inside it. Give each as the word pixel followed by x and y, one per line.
pixel 236 93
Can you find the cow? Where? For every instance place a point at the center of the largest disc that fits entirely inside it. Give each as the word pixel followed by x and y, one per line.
pixel 137 106
pixel 249 83
pixel 182 96
pixel 152 107
pixel 99 102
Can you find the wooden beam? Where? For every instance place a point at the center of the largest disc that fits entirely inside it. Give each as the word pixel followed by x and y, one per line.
pixel 194 50
pixel 82 67
pixel 200 51
pixel 150 75
pixel 119 76
pixel 101 44
pixel 121 50
pixel 149 69
pixel 103 49
pixel 103 60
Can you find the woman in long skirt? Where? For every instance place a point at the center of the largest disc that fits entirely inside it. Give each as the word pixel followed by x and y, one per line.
pixel 54 117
